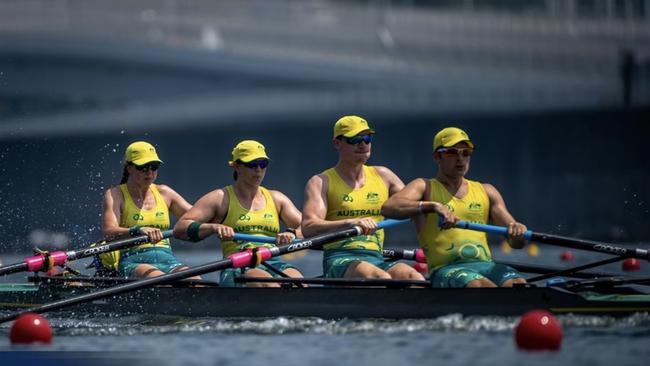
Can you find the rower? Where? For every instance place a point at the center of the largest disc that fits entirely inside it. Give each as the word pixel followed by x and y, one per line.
pixel 248 208
pixel 457 257
pixel 137 207
pixel 351 194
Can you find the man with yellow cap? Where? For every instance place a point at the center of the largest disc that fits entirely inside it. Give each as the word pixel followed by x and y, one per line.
pixel 136 207
pixel 457 257
pixel 351 194
pixel 248 208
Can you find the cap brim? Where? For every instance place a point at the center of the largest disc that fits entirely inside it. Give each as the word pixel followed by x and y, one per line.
pixel 456 141
pixel 358 131
pixel 145 161
pixel 251 158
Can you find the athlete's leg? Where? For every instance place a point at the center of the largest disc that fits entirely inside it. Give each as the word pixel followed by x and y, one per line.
pixel 293 273
pixel 402 271
pixel 146 270
pixel 481 282
pixel 512 281
pixel 181 268
pixel 259 273
pixel 363 269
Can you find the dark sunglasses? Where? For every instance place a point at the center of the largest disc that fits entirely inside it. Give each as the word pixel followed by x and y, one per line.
pixel 355 140
pixel 452 151
pixel 262 163
pixel 147 167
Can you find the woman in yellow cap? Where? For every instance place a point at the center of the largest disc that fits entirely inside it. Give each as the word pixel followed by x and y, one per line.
pixel 136 207
pixel 244 207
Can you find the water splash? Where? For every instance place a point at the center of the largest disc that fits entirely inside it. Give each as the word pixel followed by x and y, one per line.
pixel 130 325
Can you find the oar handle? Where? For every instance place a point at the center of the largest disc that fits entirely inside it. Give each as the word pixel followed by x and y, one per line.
pixel 40 261
pixel 563 241
pixel 492 229
pixel 271 240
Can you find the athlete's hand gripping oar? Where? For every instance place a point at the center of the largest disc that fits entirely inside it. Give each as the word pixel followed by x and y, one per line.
pixel 237 260
pixel 408 254
pixel 45 261
pixel 562 241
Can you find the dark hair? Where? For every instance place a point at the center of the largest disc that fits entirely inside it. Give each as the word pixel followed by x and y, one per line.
pixel 125 175
pixel 234 175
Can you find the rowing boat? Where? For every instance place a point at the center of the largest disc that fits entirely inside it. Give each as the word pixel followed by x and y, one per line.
pixel 338 299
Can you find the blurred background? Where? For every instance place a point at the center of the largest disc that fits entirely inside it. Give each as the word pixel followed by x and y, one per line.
pixel 554 93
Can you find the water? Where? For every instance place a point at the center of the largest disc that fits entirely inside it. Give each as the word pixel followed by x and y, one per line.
pixel 448 340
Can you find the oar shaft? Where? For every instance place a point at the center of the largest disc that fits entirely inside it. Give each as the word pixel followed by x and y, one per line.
pixel 39 261
pixel 236 260
pixel 271 240
pixel 13 268
pixel 563 241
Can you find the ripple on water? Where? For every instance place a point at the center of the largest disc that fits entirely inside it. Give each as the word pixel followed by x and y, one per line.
pixel 146 324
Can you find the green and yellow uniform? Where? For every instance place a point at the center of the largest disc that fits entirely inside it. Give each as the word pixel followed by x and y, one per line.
pixel 457 256
pixel 264 222
pixel 156 254
pixel 345 202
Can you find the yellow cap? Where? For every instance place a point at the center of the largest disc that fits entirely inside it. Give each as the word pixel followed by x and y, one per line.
pixel 349 126
pixel 247 151
pixel 450 136
pixel 141 153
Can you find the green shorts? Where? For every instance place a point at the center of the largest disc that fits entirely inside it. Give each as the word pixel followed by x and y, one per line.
pixel 227 278
pixel 459 275
pixel 336 262
pixel 161 258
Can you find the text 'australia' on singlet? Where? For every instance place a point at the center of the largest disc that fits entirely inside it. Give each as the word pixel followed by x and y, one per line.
pixel 344 202
pixel 263 222
pixel 451 246
pixel 132 215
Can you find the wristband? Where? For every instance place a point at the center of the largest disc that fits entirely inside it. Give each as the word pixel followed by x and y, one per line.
pixel 290 230
pixel 193 231
pixel 134 230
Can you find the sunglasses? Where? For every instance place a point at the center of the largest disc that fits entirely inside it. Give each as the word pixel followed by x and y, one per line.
pixel 355 140
pixel 262 163
pixel 452 151
pixel 147 167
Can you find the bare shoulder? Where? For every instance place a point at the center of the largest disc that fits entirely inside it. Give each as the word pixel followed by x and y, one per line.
pixel 318 181
pixel 165 189
pixel 277 195
pixel 382 170
pixel 489 188
pixel 113 192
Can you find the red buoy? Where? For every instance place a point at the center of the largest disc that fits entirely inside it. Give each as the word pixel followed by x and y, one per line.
pixel 631 265
pixel 538 330
pixel 566 256
pixel 422 268
pixel 30 328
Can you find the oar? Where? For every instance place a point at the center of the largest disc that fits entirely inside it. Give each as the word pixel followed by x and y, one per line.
pixel 237 260
pixel 48 260
pixel 409 254
pixel 562 241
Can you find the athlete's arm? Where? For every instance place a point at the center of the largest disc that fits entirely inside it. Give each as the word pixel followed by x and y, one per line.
pixel 207 212
pixel 500 215
pixel 391 180
pixel 177 204
pixel 411 202
pixel 290 216
pixel 111 215
pixel 315 209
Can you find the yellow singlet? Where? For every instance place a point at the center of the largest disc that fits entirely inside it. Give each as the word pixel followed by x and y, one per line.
pixel 444 247
pixel 344 202
pixel 132 215
pixel 264 222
